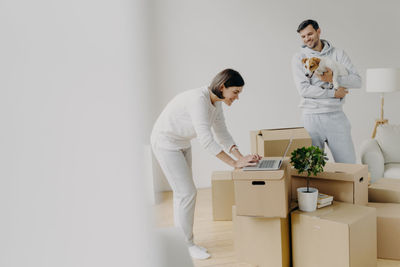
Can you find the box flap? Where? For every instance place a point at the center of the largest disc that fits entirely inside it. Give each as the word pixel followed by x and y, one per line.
pixel 276 135
pixel 253 141
pixel 285 134
pixel 386 183
pixel 344 167
pixel 258 175
pixel 280 129
pixel 335 171
pixel 384 193
pixel 384 186
pixel 387 210
pixel 221 175
pixel 340 212
pixel 385 190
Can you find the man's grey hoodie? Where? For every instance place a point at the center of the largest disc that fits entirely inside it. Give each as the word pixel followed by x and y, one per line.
pixel 317 97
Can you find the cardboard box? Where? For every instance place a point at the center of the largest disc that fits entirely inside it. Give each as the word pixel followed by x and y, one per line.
pixel 261 241
pixel 345 182
pixel 388 230
pixel 338 235
pixel 384 190
pixel 262 193
pixel 273 142
pixel 223 196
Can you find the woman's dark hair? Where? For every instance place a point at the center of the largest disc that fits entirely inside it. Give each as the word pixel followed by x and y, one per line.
pixel 228 78
pixel 307 22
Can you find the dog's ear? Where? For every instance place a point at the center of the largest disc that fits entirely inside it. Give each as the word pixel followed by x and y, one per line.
pixel 304 60
pixel 316 59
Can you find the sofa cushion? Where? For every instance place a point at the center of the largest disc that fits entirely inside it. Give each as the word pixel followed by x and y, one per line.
pixel 392 170
pixel 388 138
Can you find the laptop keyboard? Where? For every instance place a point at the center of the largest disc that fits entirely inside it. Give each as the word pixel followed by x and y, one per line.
pixel 267 164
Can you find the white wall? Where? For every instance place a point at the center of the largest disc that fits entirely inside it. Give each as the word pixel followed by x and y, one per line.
pixel 73 93
pixel 193 40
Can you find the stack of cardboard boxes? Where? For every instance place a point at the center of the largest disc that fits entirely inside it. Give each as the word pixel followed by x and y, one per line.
pixel 384 195
pixel 267 232
pixel 261 217
pixel 343 234
pixel 267 143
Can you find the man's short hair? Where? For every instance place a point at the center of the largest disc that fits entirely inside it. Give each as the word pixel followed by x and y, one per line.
pixel 307 22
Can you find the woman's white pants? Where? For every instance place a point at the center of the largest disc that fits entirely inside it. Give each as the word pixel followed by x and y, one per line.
pixel 177 167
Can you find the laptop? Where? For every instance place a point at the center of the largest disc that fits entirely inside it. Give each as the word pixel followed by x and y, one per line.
pixel 269 164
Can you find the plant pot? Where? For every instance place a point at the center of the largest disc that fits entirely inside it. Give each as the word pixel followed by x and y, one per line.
pixel 307 200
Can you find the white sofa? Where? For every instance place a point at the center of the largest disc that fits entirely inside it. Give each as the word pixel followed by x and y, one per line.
pixel 382 154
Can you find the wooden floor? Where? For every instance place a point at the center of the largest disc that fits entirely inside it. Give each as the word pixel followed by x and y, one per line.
pixel 216 236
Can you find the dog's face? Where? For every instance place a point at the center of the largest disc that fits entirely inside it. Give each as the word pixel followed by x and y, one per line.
pixel 310 65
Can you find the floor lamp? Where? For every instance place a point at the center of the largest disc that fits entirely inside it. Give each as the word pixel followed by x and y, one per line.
pixel 382 80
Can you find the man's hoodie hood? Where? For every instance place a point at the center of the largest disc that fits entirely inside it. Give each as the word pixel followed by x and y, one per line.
pixel 325 51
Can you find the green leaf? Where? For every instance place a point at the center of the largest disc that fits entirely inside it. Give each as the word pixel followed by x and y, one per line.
pixel 311 160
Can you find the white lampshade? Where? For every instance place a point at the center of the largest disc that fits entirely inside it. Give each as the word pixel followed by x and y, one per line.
pixel 383 80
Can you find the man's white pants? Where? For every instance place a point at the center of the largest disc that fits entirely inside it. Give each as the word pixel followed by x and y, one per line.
pixel 333 128
pixel 177 167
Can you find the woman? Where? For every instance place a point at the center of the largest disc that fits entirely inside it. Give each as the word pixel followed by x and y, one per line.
pixel 192 114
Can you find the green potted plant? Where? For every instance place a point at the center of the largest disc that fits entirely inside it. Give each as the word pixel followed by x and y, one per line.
pixel 310 160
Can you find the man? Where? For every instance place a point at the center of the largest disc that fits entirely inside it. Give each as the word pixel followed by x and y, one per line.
pixel 323 116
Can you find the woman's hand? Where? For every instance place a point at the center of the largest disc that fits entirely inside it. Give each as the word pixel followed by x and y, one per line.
pixel 253 157
pixel 248 160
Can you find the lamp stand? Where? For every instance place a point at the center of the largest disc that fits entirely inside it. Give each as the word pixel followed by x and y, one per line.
pixel 380 121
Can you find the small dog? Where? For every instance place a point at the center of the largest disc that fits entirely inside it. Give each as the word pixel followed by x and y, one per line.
pixel 319 65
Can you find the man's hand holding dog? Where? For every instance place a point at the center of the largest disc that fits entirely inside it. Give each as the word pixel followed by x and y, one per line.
pixel 326 76
pixel 341 92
